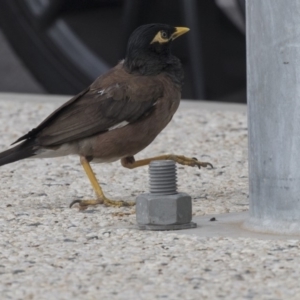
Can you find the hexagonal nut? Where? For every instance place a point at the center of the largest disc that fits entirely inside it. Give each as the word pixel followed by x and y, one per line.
pixel 163 209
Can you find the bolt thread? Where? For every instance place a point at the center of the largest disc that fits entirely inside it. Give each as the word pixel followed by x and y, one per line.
pixel 163 177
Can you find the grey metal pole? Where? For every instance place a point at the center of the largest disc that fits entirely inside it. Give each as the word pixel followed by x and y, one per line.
pixel 273 66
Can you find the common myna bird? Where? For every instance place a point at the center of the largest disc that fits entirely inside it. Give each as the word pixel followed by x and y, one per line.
pixel 118 115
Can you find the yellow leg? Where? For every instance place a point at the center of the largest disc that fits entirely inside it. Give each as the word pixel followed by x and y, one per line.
pixel 101 199
pixel 90 174
pixel 130 163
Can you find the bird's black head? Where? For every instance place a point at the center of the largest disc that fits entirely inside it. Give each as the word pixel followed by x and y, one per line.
pixel 149 48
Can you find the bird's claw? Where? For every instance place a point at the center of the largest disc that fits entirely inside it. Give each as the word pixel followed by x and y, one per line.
pixel 119 203
pixel 83 204
pixel 200 164
pixel 195 158
pixel 192 162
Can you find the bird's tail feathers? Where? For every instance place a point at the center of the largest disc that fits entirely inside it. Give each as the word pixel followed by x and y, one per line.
pixel 21 151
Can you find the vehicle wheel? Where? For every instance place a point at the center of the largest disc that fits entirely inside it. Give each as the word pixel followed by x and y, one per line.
pixel 52 40
pixel 66 44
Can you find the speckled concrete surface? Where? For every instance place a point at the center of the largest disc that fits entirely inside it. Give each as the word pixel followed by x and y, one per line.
pixel 48 251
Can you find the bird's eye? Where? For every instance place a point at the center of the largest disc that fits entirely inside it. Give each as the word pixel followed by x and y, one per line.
pixel 163 34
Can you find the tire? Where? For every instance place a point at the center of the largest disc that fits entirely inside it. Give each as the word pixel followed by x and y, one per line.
pixel 66 44
pixel 48 44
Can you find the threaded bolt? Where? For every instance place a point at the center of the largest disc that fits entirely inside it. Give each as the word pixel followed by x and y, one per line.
pixel 163 177
pixel 164 208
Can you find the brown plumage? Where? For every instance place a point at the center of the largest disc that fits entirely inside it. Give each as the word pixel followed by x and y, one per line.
pixel 118 115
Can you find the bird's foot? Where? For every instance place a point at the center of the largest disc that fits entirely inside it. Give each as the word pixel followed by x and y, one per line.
pixel 118 203
pixel 130 163
pixel 84 204
pixel 192 162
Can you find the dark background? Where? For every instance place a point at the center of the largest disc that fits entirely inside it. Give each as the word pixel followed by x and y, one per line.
pixel 14 76
pixel 60 46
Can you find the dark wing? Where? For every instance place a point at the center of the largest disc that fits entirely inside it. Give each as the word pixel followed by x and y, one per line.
pixel 97 110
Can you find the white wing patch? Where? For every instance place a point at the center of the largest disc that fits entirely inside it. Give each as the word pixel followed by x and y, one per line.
pixel 119 125
pixel 101 92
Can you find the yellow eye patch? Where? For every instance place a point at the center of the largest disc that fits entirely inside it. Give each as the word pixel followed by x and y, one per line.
pixel 159 37
pixel 162 37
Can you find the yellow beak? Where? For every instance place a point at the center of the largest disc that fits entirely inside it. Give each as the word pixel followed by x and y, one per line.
pixel 179 31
